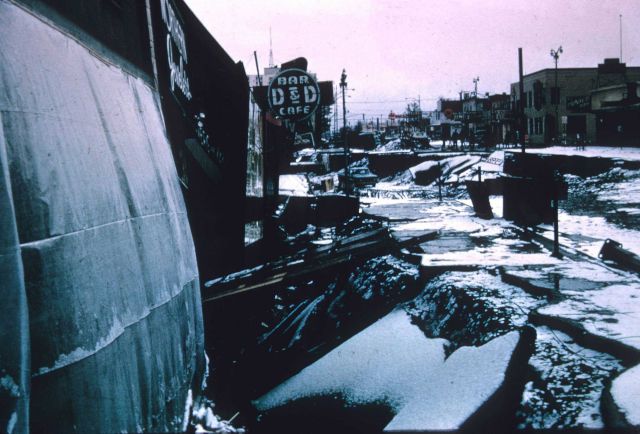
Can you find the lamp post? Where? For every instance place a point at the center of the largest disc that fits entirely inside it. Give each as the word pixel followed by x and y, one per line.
pixel 343 86
pixel 556 54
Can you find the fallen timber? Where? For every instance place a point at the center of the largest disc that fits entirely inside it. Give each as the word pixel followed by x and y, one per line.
pixel 315 258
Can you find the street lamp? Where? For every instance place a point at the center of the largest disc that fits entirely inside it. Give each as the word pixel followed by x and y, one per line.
pixel 556 93
pixel 343 86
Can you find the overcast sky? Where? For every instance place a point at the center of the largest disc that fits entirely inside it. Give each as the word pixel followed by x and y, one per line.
pixel 396 50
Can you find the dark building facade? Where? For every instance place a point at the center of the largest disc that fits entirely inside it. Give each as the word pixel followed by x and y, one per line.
pixel 122 179
pixel 204 93
pixel 557 103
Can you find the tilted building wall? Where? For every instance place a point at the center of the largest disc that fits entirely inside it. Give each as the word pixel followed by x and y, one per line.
pixel 95 241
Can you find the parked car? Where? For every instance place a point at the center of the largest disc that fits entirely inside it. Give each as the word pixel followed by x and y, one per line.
pixel 358 177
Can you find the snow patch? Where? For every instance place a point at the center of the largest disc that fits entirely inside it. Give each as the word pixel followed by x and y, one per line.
pixel 80 353
pixel 9 385
pixel 626 393
pixel 206 421
pixel 294 185
pixel 392 362
pixel 13 420
pixel 494 255
pixel 203 385
pixel 568 384
pixel 574 228
pixel 626 153
pixel 612 312
pixel 188 407
pixel 384 363
pixel 469 377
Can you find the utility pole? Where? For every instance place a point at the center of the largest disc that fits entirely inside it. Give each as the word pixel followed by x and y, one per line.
pixel 620 38
pixel 523 120
pixel 556 182
pixel 255 56
pixel 270 50
pixel 343 86
pixel 556 54
pixel 336 128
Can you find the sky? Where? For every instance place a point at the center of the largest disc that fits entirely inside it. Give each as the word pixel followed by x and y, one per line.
pixel 398 51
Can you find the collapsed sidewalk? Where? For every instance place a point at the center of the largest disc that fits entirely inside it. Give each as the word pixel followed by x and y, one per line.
pixel 589 304
pixel 480 280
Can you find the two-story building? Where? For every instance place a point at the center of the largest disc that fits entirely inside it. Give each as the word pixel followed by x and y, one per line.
pixel 557 102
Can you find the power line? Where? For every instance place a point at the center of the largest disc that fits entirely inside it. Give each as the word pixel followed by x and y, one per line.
pixel 390 101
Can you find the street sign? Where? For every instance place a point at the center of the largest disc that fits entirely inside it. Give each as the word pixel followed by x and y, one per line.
pixel 293 95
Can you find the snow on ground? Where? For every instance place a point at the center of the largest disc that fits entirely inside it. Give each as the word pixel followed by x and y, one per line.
pixel 462 223
pixel 593 272
pixel 612 311
pixel 449 165
pixel 383 363
pixel 569 380
pixel 206 421
pixel 626 153
pixel 566 392
pixel 294 185
pixel 470 308
pixel 495 243
pixel 625 391
pixel 497 254
pixel 369 201
pixel 469 377
pixel 392 362
pixel 588 233
pixel 391 145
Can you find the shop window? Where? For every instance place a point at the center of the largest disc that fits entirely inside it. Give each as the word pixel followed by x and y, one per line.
pixel 538 126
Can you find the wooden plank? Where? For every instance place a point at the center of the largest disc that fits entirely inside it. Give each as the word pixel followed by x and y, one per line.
pixel 291 269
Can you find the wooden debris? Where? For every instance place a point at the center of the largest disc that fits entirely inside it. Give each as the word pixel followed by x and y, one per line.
pixel 301 265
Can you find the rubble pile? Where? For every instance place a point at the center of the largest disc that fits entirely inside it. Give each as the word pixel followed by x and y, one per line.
pixel 464 285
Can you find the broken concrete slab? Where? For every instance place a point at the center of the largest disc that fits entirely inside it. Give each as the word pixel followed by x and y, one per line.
pixel 535 287
pixel 470 389
pixel 596 311
pixel 470 308
pixel 430 212
pixel 621 402
pixel 378 364
pixel 565 384
pixel 427 172
pixel 395 212
pixel 562 279
pixel 392 365
pixel 587 336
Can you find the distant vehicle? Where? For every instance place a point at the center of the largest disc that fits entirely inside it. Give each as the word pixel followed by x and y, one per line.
pixel 367 141
pixel 358 177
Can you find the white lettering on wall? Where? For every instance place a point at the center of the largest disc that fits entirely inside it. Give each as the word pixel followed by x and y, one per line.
pixel 175 36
